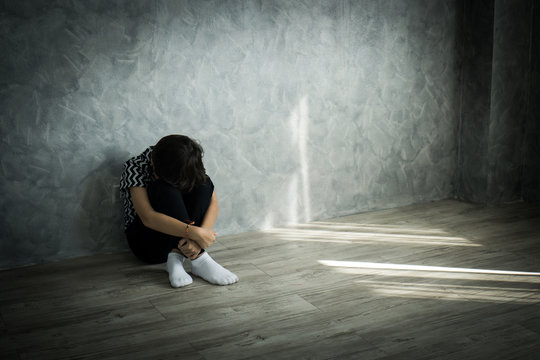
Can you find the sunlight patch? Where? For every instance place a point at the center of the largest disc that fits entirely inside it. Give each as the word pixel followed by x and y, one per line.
pixel 405 267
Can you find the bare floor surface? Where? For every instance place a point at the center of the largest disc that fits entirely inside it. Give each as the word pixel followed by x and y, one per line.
pixel 444 280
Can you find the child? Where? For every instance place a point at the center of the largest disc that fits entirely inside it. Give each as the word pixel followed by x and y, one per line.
pixel 170 209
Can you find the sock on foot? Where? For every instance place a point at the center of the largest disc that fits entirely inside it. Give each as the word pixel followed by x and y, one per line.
pixel 207 268
pixel 175 267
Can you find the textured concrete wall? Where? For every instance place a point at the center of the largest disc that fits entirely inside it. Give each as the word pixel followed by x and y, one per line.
pixel 531 148
pixel 306 109
pixel 509 99
pixel 477 57
pixel 499 132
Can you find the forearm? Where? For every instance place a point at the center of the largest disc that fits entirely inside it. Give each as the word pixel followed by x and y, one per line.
pixel 211 214
pixel 171 226
pixel 166 224
pixel 202 237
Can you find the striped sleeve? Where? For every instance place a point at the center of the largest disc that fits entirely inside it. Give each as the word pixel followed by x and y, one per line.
pixel 137 171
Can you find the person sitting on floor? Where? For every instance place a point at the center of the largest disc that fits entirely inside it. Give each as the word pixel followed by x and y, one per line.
pixel 170 208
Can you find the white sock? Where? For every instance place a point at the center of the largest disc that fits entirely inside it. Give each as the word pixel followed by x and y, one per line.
pixel 175 267
pixel 211 271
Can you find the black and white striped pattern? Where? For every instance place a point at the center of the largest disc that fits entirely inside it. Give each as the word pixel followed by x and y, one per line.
pixel 137 172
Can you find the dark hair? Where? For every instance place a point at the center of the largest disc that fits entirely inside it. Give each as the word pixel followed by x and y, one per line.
pixel 177 159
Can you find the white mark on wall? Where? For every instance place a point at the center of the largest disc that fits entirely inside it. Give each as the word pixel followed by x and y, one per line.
pixel 268 222
pixel 293 200
pixel 80 113
pixel 39 168
pixel 73 35
pixel 62 168
pixel 66 108
pixel 28 136
pixel 47 132
pixel 300 184
pixel 72 63
pixel 115 191
pixel 87 116
pixel 38 107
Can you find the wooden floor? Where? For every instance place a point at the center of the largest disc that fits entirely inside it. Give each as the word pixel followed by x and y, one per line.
pixel 445 280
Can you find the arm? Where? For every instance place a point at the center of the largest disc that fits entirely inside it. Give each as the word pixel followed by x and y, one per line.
pixel 166 224
pixel 191 248
pixel 212 213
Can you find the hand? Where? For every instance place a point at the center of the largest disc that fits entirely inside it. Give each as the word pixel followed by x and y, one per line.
pixel 189 248
pixel 203 236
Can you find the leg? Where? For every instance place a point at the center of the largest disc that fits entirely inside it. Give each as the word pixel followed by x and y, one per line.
pixel 147 244
pixel 204 266
pixel 150 246
pixel 159 247
pixel 169 200
pixel 198 200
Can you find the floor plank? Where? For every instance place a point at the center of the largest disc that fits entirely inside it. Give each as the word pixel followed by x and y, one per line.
pixel 446 280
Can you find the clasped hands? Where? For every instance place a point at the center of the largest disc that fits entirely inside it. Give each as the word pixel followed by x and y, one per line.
pixel 200 238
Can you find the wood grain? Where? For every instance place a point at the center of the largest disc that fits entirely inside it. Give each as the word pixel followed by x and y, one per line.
pixel 306 292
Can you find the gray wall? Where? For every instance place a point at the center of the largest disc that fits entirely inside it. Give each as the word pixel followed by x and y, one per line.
pixel 499 135
pixel 306 109
pixel 475 95
pixel 531 142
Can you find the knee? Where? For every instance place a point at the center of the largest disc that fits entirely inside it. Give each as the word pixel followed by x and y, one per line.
pixel 160 186
pixel 208 187
pixel 160 191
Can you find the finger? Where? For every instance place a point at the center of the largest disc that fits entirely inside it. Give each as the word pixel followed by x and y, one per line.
pixel 187 245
